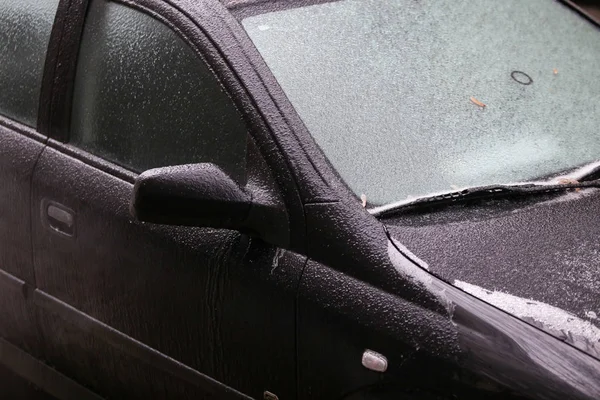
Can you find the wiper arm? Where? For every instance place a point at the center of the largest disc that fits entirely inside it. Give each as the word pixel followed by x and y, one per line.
pixel 590 172
pixel 581 11
pixel 483 192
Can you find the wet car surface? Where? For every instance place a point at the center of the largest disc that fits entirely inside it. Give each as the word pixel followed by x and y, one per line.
pixel 541 253
pixel 232 200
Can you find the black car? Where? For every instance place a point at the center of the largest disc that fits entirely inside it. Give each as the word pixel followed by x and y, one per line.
pixel 311 199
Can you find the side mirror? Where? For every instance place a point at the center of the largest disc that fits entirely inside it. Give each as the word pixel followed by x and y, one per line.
pixel 203 195
pixel 192 195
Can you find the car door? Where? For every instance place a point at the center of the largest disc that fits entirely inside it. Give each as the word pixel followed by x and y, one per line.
pixel 25 29
pixel 136 310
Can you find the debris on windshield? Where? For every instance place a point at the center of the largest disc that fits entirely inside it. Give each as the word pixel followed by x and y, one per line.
pixel 555 71
pixel 566 181
pixel 591 315
pixel 363 198
pixel 477 102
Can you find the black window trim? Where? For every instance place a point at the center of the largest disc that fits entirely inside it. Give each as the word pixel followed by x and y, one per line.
pixel 60 62
pixel 57 88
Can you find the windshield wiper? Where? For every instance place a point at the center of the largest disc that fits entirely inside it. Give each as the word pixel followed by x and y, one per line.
pixel 582 11
pixel 587 173
pixel 485 192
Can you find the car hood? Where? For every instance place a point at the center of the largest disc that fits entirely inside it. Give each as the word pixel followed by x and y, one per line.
pixel 537 258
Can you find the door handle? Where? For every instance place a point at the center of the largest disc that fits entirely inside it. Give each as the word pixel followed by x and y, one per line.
pixel 58 218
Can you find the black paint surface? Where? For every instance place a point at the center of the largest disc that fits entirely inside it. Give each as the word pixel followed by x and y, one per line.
pixel 546 251
pixel 539 249
pixel 136 310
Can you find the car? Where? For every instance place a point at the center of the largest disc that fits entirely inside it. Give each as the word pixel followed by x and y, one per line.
pixel 306 199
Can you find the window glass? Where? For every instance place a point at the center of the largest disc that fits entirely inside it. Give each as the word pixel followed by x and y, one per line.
pixel 144 99
pixel 25 27
pixel 409 98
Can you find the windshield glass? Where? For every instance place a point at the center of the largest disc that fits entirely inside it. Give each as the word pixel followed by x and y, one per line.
pixel 408 98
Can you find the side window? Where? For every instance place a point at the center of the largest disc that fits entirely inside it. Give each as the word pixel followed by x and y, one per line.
pixel 144 99
pixel 25 27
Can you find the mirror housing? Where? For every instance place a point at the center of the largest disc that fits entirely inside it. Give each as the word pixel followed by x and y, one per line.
pixel 193 195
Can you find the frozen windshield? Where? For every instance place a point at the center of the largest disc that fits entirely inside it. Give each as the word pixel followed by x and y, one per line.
pixel 408 98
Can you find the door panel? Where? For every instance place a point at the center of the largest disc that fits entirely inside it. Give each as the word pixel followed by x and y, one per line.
pixel 214 300
pixel 18 154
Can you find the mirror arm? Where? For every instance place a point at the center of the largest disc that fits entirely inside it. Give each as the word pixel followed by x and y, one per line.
pixel 269 222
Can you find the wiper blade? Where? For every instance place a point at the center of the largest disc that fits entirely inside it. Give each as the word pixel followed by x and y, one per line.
pixel 483 192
